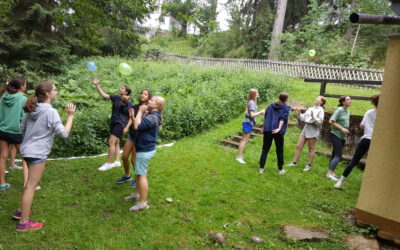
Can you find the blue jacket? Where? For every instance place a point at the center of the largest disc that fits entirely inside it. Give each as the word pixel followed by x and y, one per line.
pixel 147 132
pixel 275 113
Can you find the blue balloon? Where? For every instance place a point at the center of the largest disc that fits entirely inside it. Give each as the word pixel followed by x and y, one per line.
pixel 91 66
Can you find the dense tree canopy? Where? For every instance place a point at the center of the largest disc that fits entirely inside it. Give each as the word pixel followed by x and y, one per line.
pixel 37 36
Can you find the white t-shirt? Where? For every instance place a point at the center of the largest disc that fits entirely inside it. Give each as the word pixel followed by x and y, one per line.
pixel 368 123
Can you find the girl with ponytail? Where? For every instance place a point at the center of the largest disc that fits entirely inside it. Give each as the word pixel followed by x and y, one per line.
pixel 12 100
pixel 40 125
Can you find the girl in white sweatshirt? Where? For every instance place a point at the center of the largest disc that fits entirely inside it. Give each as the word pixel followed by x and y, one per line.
pixel 313 119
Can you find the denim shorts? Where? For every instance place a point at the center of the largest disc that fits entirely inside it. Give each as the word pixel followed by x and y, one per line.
pixel 247 127
pixel 31 160
pixel 142 162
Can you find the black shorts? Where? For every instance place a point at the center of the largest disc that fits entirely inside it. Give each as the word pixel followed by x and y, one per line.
pixel 116 129
pixel 11 138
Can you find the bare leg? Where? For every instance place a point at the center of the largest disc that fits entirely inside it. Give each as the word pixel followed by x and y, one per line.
pixel 13 153
pixel 128 147
pixel 311 149
pixel 35 174
pixel 242 144
pixel 142 187
pixel 111 148
pixel 117 149
pixel 4 148
pixel 24 165
pixel 299 148
pixel 133 156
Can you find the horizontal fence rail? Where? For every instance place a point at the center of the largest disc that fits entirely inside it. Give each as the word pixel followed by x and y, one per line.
pixel 294 69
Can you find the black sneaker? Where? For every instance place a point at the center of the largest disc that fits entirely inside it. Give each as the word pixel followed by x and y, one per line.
pixel 124 179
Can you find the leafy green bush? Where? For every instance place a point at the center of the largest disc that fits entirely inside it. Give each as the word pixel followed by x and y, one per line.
pixel 197 98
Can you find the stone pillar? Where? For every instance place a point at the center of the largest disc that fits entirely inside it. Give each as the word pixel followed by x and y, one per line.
pixel 379 199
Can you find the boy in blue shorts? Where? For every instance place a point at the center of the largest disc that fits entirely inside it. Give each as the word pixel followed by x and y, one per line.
pixel 146 123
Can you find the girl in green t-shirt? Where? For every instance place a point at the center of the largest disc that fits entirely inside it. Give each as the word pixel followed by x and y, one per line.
pixel 339 122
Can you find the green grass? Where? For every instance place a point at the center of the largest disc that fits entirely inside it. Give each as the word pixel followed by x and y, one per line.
pixel 83 208
pixel 172 44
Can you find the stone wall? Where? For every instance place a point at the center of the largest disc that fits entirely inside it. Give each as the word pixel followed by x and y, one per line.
pixel 352 139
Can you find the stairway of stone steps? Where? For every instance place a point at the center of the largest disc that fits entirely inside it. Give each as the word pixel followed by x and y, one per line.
pixel 234 140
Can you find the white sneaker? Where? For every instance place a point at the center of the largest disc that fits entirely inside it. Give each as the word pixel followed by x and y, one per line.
pixel 307 168
pixel 139 206
pixel 332 177
pixel 338 184
pixel 38 187
pixel 106 166
pixel 117 164
pixel 240 160
pixel 7 172
pixel 16 167
pixel 133 196
pixel 261 170
pixel 282 171
pixel 292 164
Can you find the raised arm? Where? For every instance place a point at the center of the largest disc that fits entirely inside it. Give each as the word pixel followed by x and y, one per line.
pixel 96 82
pixel 70 109
pixel 138 119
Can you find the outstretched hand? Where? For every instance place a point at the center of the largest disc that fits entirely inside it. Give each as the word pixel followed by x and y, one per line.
pixel 70 109
pixel 95 80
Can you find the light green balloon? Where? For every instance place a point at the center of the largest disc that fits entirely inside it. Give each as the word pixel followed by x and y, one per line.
pixel 125 69
pixel 312 52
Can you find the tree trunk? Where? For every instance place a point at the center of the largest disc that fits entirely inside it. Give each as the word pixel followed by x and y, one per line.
pixel 277 30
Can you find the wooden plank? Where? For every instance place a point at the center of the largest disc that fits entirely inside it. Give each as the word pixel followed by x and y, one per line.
pixel 365 98
pixel 344 81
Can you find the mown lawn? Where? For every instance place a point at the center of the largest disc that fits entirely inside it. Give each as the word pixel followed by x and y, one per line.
pixel 83 208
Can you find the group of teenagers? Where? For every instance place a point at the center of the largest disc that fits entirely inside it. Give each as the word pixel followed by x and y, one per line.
pixel 30 124
pixel 276 122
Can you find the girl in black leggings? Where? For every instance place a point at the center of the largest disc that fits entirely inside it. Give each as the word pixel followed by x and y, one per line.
pixel 368 125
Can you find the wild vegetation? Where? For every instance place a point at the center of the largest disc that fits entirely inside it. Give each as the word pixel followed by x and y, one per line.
pixel 197 98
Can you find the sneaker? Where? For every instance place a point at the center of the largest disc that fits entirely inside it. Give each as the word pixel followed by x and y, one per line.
pixel 261 170
pixel 292 164
pixel 5 186
pixel 307 168
pixel 29 225
pixel 17 215
pixel 332 177
pixel 240 160
pixel 139 206
pixel 133 184
pixel 133 196
pixel 117 164
pixel 124 179
pixel 106 166
pixel 338 184
pixel 16 167
pixel 38 187
pixel 282 171
pixel 7 172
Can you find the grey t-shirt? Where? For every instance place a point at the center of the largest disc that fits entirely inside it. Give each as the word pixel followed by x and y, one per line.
pixel 251 106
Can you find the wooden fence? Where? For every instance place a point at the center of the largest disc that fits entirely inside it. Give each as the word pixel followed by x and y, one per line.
pixel 294 69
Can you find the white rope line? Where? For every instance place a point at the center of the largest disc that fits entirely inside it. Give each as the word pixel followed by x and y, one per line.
pixel 94 156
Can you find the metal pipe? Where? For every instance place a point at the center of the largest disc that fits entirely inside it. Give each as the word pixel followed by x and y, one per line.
pixel 373 19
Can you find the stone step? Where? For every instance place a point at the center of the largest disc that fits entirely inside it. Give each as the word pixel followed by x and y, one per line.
pixel 252 134
pixel 237 138
pixel 230 143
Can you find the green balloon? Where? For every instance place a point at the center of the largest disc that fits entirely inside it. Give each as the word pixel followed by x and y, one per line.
pixel 125 69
